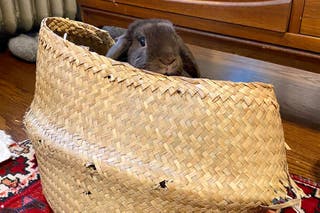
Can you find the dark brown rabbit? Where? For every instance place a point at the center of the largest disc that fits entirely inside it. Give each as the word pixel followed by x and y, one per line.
pixel 154 45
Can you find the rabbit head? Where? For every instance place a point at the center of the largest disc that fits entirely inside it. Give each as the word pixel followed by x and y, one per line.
pixel 154 45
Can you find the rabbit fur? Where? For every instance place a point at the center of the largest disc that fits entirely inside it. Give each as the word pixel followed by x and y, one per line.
pixel 154 45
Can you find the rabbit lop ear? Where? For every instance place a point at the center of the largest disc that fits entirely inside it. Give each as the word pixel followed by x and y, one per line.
pixel 119 48
pixel 189 63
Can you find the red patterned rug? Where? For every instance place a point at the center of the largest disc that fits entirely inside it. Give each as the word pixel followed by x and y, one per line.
pixel 20 186
pixel 21 191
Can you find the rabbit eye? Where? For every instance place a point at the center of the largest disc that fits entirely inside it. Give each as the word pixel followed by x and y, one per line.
pixel 142 41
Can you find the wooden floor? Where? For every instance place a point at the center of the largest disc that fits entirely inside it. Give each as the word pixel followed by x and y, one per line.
pixel 17 80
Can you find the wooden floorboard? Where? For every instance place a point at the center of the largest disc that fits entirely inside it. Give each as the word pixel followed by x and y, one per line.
pixel 17 79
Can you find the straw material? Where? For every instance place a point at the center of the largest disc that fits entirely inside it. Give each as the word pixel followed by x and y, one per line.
pixel 112 137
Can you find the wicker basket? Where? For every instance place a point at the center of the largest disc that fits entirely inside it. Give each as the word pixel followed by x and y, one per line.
pixel 109 136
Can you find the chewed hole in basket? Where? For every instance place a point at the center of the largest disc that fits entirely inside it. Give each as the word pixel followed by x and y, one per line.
pixel 114 137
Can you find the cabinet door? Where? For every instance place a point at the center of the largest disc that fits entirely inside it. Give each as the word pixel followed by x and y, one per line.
pixel 265 14
pixel 311 18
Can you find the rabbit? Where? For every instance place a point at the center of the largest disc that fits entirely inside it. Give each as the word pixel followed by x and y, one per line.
pixel 154 45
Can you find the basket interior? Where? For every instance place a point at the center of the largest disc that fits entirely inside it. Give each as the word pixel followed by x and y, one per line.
pixel 79 33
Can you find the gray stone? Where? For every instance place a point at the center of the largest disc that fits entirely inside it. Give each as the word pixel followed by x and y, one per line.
pixel 24 47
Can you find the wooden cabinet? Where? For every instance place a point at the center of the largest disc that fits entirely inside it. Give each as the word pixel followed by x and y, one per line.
pixel 286 25
pixel 270 15
pixel 311 18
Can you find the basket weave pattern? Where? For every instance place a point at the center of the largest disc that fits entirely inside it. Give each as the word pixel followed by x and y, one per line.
pixel 106 134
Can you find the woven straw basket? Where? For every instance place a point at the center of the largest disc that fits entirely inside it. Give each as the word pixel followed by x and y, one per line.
pixel 110 137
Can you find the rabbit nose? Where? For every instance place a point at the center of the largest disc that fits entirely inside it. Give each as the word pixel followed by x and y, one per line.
pixel 167 61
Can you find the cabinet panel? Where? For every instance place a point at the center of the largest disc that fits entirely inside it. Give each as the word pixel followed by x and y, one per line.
pixel 271 14
pixel 311 18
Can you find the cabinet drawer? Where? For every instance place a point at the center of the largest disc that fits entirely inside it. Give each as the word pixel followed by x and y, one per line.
pixel 310 24
pixel 270 15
